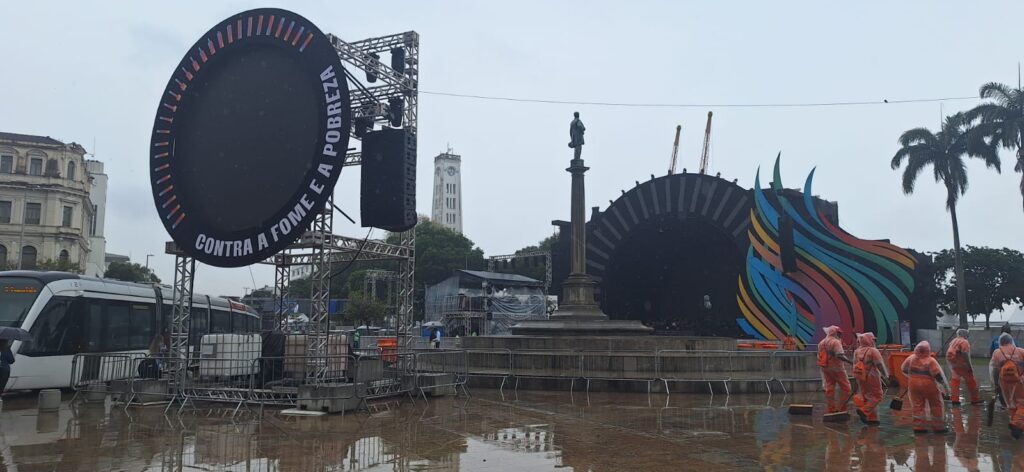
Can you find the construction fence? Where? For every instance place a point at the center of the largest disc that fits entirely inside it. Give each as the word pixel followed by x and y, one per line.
pixel 239 376
pixel 775 370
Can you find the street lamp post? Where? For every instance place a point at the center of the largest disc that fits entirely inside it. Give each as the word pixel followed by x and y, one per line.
pixel 147 260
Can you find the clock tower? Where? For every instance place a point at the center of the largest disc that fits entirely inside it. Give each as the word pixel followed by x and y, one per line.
pixel 447 206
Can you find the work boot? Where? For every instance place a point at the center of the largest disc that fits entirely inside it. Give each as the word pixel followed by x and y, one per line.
pixel 862 416
pixel 1016 432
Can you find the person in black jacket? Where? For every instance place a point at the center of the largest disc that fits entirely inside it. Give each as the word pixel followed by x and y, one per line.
pixel 6 359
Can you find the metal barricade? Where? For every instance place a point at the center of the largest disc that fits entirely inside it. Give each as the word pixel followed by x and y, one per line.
pixel 795 366
pixel 546 364
pixel 378 376
pixel 751 366
pixel 490 363
pixel 441 369
pixel 680 366
pixel 638 366
pixel 272 384
pixel 153 383
pixel 92 373
pixel 718 366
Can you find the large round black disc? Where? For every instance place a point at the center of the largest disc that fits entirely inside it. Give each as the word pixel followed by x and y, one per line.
pixel 249 137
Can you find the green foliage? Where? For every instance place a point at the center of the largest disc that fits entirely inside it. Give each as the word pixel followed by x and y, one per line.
pixel 944 151
pixel 59 266
pixel 439 251
pixel 130 272
pixel 1002 119
pixel 361 310
pixel 995 277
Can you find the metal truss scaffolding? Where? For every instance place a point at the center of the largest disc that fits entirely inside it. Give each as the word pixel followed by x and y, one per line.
pixel 184 281
pixel 493 260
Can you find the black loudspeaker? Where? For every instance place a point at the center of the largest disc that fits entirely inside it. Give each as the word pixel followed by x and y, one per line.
pixel 388 185
pixel 786 250
pixel 398 60
pixel 395 109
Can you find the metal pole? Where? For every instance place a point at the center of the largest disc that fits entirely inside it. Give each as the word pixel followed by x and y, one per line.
pixel 21 239
pixel 147 259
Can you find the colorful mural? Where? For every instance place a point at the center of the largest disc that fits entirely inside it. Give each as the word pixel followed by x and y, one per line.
pixel 858 285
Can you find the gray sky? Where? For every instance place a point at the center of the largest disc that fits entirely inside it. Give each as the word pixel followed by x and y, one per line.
pixel 94 71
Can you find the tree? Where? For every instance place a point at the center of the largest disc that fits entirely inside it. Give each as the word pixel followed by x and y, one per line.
pixel 995 278
pixel 59 266
pixel 363 310
pixel 944 152
pixel 1002 120
pixel 130 272
pixel 439 251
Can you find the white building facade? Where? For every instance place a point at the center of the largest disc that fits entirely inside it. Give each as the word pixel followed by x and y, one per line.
pixel 447 205
pixel 47 215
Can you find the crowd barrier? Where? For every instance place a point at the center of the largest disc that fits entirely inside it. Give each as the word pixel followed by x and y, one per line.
pixel 767 367
pixel 267 380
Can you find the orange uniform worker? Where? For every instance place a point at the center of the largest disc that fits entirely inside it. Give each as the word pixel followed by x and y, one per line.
pixel 869 370
pixel 926 383
pixel 1005 368
pixel 958 356
pixel 830 360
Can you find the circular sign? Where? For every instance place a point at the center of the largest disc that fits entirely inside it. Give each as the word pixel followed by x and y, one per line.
pixel 249 137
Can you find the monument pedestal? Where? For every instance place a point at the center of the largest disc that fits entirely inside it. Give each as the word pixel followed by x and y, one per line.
pixel 577 314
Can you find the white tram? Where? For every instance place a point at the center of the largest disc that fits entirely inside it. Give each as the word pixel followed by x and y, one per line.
pixel 68 314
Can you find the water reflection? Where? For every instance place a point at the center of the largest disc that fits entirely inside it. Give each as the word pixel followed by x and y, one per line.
pixel 534 431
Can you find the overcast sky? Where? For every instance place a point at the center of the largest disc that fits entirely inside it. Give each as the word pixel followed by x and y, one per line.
pixel 94 71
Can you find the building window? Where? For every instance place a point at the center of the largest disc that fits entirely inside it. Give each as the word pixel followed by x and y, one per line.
pixel 28 257
pixel 33 212
pixel 5 212
pixel 51 168
pixel 92 222
pixel 71 170
pixel 64 256
pixel 65 219
pixel 7 164
pixel 3 256
pixel 35 166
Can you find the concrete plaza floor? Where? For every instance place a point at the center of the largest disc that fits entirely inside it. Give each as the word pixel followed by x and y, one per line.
pixel 533 431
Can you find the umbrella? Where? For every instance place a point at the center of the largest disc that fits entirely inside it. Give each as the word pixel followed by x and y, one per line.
pixel 14 334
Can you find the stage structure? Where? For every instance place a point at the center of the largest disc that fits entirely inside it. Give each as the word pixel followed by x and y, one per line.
pixel 494 261
pixel 285 79
pixel 696 254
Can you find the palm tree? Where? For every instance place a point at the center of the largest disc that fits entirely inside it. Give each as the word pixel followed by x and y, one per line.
pixel 945 152
pixel 1002 119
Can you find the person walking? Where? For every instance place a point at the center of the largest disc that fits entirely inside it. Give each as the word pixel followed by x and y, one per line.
pixel 958 356
pixel 995 345
pixel 926 385
pixel 437 338
pixel 6 359
pixel 1005 369
pixel 830 359
pixel 869 370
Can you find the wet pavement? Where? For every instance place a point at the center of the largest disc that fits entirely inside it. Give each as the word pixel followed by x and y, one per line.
pixel 533 431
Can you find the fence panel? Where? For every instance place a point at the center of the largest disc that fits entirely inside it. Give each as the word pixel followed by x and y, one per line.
pixel 752 366
pixel 639 366
pixel 91 374
pixel 718 366
pixel 546 364
pixel 441 369
pixel 795 366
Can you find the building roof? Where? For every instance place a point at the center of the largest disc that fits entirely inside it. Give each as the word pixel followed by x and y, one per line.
pixel 29 138
pixel 502 278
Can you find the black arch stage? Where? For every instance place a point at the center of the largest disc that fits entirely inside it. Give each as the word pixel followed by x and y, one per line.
pixel 658 249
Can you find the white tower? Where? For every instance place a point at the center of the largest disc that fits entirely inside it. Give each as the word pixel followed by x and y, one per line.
pixel 447 208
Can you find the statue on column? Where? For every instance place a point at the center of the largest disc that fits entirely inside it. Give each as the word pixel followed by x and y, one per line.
pixel 576 130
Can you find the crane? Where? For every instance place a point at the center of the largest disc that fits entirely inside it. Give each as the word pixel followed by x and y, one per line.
pixel 675 152
pixel 704 152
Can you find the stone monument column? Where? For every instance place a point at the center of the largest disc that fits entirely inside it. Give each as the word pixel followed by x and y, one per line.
pixel 578 314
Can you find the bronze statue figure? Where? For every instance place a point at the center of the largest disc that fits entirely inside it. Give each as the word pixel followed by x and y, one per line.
pixel 576 130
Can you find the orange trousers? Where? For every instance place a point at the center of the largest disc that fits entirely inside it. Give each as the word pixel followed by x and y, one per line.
pixel 1013 393
pixel 832 379
pixel 967 375
pixel 924 391
pixel 869 396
